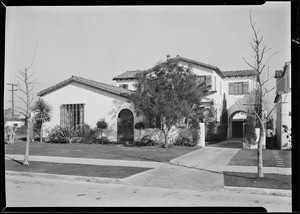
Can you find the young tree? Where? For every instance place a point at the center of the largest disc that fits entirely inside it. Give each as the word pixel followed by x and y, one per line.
pixel 42 111
pixel 25 77
pixel 261 90
pixel 224 117
pixel 166 94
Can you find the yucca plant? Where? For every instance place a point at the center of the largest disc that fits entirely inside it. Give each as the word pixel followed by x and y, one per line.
pixel 43 112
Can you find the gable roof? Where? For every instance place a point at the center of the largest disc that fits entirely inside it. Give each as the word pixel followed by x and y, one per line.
pixel 239 73
pixel 215 68
pixel 102 86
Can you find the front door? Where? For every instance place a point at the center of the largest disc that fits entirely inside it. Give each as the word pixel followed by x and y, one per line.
pixel 237 129
pixel 125 125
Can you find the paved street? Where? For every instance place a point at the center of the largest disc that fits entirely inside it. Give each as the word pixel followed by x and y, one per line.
pixel 31 192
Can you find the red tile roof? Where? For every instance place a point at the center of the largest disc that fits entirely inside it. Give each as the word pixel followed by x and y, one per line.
pixel 239 73
pixel 128 75
pixel 102 86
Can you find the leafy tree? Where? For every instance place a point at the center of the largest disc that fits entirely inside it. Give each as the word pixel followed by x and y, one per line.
pixel 101 125
pixel 167 93
pixel 224 118
pixel 42 111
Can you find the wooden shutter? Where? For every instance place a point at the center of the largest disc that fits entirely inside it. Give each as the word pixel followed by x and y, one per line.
pixel 245 87
pixel 231 88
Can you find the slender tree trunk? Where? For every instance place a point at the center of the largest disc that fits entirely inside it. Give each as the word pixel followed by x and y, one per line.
pixel 196 137
pixel 166 140
pixel 26 157
pixel 41 132
pixel 260 173
pixel 28 113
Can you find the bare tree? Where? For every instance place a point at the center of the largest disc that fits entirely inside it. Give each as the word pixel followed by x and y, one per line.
pixel 261 91
pixel 25 78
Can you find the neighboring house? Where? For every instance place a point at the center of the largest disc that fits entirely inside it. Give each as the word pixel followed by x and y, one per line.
pixel 13 120
pixel 78 100
pixel 283 102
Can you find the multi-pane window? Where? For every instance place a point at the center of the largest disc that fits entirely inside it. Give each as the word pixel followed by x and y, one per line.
pixel 71 115
pixel 206 79
pixel 238 88
pixel 124 86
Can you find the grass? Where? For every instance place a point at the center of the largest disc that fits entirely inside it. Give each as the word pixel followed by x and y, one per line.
pixel 269 181
pixel 74 169
pixel 100 151
pixel 248 157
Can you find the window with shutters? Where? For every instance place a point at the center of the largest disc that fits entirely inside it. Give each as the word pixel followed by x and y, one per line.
pixel 71 115
pixel 238 88
pixel 206 79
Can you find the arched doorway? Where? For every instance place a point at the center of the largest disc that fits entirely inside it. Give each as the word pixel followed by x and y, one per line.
pixel 125 125
pixel 236 124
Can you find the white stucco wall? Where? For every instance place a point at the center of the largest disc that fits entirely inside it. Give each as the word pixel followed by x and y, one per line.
pixel 12 123
pixel 98 105
pixel 130 83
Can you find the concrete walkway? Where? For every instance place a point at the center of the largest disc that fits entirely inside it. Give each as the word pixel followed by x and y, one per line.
pixel 201 169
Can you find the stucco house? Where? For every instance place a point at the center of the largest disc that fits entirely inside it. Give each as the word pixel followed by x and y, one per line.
pixel 283 102
pixel 78 100
pixel 13 120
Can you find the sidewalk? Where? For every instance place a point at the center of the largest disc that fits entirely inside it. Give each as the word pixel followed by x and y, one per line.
pixel 88 161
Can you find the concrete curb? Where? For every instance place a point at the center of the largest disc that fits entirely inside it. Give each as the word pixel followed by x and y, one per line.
pixel 65 177
pixel 259 191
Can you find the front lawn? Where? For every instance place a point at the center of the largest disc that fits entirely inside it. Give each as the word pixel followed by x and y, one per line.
pixel 100 151
pixel 248 157
pixel 269 181
pixel 74 169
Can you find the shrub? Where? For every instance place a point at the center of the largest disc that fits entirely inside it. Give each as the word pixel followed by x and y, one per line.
pixel 58 135
pixel 222 131
pixel 288 132
pixel 101 125
pixel 139 125
pixel 183 141
pixel 102 140
pixel 249 131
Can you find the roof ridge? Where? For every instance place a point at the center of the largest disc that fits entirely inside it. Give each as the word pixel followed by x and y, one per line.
pixel 92 83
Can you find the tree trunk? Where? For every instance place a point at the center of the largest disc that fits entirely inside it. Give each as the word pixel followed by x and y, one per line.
pixel 26 157
pixel 166 133
pixel 260 173
pixel 197 133
pixel 41 132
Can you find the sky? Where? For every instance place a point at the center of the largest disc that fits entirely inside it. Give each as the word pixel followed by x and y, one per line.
pixel 101 42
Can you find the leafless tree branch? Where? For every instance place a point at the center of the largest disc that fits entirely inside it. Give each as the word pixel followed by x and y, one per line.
pixel 37 39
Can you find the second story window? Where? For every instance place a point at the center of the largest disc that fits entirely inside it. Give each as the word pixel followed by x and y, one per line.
pixel 238 88
pixel 206 79
pixel 124 86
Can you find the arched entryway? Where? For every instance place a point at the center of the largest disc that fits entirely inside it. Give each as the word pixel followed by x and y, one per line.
pixel 125 125
pixel 236 124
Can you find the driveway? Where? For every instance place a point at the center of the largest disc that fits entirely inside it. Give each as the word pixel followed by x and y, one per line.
pixel 234 143
pixel 199 170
